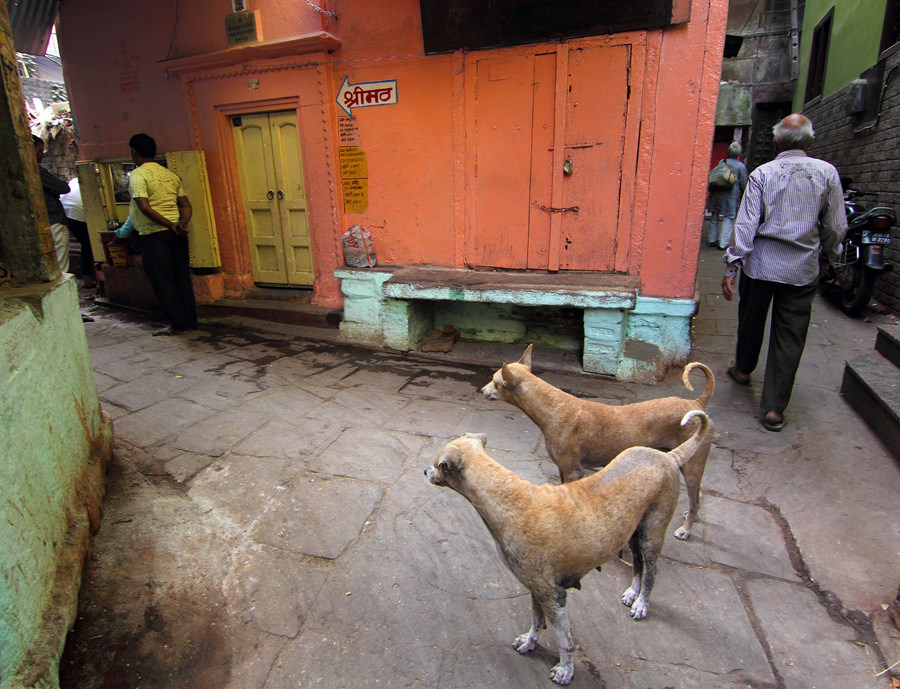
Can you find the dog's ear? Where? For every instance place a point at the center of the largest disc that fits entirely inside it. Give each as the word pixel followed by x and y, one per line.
pixel 526 357
pixel 510 377
pixel 480 437
pixel 450 460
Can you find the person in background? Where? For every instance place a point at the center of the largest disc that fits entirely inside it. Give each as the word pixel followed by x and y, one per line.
pixel 160 212
pixel 53 187
pixel 793 207
pixel 126 229
pixel 723 203
pixel 74 209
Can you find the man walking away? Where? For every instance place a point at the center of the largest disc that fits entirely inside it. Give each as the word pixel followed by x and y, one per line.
pixel 160 213
pixel 723 203
pixel 53 186
pixel 793 206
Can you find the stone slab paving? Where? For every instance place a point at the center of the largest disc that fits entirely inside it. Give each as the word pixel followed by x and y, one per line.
pixel 268 524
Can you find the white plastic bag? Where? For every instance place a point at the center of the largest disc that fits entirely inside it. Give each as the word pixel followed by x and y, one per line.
pixel 359 247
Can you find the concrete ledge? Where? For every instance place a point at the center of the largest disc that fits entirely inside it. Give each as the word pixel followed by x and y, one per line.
pixel 624 335
pixel 887 343
pixel 580 290
pixel 871 385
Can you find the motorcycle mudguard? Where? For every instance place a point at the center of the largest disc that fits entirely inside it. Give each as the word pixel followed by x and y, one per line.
pixel 873 256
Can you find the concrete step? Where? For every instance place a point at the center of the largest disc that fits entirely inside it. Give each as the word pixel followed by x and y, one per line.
pixel 290 312
pixel 871 385
pixel 887 343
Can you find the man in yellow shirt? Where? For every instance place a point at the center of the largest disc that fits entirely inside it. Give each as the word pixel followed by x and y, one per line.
pixel 160 213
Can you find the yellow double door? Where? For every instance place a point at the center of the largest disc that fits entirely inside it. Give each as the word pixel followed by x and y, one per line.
pixel 267 146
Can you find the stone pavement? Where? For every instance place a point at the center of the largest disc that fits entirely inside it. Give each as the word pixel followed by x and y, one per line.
pixel 268 524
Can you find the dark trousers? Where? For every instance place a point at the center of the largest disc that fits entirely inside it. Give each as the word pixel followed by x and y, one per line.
pixel 791 311
pixel 79 230
pixel 167 264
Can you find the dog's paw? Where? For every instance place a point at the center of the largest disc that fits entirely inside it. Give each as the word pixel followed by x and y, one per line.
pixel 639 609
pixel 562 674
pixel 682 534
pixel 525 643
pixel 629 597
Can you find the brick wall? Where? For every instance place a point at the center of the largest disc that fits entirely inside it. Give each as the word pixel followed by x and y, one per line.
pixel 870 156
pixel 60 155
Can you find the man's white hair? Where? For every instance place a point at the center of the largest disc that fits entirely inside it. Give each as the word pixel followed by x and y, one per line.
pixel 787 137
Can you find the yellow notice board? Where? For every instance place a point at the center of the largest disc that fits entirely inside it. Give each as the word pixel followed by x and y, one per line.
pixel 354 179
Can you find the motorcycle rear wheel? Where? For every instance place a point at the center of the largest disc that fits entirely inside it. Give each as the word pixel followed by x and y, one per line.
pixel 860 283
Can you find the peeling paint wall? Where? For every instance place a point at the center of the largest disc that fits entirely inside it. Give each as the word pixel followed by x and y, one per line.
pixel 422 207
pixel 56 442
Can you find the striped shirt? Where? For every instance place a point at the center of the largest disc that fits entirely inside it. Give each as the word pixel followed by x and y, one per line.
pixel 792 206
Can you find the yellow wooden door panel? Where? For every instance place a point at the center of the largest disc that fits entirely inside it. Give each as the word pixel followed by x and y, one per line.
pixel 256 169
pixel 291 197
pixel 596 112
pixel 94 202
pixel 203 241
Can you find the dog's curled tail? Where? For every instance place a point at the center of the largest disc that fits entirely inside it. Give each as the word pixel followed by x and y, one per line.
pixel 705 396
pixel 688 448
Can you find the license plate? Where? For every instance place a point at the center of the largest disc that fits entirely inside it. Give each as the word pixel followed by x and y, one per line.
pixel 869 237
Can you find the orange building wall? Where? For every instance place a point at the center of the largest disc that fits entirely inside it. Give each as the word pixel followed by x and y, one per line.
pixel 419 204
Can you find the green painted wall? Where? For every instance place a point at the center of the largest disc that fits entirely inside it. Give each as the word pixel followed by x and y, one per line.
pixel 56 441
pixel 855 39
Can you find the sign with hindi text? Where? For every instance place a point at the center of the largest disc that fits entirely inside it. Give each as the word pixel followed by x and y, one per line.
pixel 366 94
pixel 354 179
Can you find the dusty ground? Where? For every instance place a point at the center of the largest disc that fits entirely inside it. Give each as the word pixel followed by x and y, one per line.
pixel 174 632
pixel 268 526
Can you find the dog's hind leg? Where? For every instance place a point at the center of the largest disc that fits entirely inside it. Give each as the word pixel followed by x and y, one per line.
pixel 693 474
pixel 637 566
pixel 645 549
pixel 527 641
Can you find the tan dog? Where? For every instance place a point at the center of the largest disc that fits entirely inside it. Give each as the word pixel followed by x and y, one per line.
pixel 551 536
pixel 582 434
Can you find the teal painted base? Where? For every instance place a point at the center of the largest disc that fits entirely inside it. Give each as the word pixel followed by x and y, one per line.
pixel 634 339
pixel 56 442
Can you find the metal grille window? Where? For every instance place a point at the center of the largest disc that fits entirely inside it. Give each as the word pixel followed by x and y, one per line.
pixel 890 33
pixel 818 57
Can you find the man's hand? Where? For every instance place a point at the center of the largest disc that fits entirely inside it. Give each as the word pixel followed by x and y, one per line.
pixel 180 227
pixel 728 287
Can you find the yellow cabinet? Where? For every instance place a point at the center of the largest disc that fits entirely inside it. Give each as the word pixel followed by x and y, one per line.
pixel 104 193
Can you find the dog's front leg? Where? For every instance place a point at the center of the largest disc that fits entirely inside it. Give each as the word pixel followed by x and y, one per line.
pixel 526 642
pixel 562 672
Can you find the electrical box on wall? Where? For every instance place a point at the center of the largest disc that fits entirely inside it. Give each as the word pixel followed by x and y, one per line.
pixel 104 194
pixel 856 96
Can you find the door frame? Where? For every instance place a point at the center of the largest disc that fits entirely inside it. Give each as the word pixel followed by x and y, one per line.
pixel 238 225
pixel 626 236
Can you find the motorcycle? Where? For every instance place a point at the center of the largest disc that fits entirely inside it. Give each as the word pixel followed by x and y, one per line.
pixel 862 257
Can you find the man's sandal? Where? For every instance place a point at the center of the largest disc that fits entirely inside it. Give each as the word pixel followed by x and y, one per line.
pixel 736 376
pixel 773 424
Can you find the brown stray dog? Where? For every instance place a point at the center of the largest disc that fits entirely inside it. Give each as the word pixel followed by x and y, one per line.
pixel 582 434
pixel 550 536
